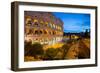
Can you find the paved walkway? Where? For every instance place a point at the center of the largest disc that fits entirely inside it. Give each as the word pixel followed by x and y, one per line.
pixel 79 49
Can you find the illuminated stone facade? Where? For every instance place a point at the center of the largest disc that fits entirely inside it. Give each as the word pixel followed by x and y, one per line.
pixel 42 27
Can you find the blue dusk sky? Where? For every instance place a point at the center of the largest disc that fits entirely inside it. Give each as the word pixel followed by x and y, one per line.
pixel 74 22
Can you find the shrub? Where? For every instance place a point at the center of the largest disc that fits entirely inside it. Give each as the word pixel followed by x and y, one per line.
pixel 36 50
pixel 50 54
pixel 27 47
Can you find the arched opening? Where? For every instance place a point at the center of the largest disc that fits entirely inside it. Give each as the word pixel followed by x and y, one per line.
pixel 50 32
pixel 35 23
pixel 28 21
pixel 31 31
pixel 54 33
pixel 26 30
pixel 45 32
pixel 36 31
pixel 40 32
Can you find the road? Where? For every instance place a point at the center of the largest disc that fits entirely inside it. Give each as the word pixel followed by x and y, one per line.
pixel 79 50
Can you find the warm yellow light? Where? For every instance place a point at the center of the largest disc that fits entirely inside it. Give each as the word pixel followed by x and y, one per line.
pixel 46 22
pixel 56 45
pixel 35 20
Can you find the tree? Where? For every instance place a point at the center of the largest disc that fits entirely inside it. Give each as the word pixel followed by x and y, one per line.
pixel 27 47
pixel 86 33
pixel 65 49
pixel 36 50
pixel 50 54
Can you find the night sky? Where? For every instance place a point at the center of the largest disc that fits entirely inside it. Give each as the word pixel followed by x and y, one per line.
pixel 74 22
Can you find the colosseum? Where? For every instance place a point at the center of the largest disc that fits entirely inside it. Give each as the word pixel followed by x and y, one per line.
pixel 42 27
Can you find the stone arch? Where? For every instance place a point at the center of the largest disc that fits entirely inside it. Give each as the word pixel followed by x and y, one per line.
pixel 41 31
pixel 28 21
pixel 30 31
pixel 50 32
pixel 26 30
pixel 36 32
pixel 45 32
pixel 54 32
pixel 36 23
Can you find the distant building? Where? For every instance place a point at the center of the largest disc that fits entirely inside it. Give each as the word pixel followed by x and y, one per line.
pixel 42 27
pixel 71 35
